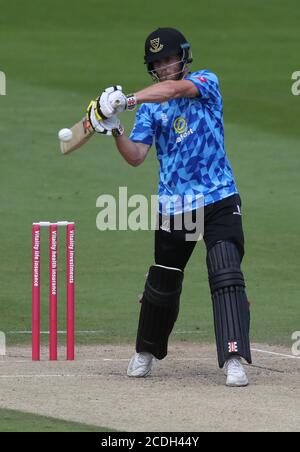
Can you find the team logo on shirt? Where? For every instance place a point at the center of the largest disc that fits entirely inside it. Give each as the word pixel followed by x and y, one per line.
pixel 181 127
pixel 156 46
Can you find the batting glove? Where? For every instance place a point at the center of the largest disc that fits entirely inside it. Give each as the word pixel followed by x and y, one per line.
pixel 109 126
pixel 108 106
pixel 120 102
pixel 113 99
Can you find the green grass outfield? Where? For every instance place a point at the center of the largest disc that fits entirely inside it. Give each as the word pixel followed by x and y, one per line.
pixel 56 56
pixel 17 421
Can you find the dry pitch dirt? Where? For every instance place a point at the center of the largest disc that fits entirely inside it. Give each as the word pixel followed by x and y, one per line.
pixel 185 392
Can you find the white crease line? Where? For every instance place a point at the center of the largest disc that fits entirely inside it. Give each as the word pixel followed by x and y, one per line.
pixel 51 376
pixel 95 360
pixel 110 359
pixel 92 332
pixel 59 332
pixel 118 360
pixel 275 354
pixel 169 359
pixel 10 359
pixel 82 361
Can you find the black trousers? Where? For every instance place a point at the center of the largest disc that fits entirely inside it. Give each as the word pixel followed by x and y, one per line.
pixel 222 221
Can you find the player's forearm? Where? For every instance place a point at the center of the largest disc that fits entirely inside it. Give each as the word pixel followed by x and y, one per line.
pixel 129 150
pixel 164 91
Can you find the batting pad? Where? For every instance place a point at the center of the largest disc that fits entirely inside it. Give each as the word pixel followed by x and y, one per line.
pixel 230 304
pixel 159 310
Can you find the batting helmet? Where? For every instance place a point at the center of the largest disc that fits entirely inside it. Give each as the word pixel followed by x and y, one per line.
pixel 166 42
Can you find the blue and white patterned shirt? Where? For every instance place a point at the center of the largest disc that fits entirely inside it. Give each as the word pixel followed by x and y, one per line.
pixel 189 139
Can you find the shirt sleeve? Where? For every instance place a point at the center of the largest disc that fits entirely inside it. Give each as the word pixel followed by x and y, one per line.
pixel 207 84
pixel 143 130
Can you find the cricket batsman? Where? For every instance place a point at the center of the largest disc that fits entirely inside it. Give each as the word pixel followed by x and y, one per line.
pixel 182 112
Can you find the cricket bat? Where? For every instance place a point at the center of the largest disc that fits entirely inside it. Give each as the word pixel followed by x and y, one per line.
pixel 82 131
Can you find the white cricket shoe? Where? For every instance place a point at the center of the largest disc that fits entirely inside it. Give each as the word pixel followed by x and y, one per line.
pixel 140 365
pixel 236 375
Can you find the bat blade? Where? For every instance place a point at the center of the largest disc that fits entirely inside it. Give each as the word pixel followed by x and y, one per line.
pixel 82 132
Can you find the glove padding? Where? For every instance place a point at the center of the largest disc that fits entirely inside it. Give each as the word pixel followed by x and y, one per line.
pixel 113 101
pixel 109 126
pixel 110 102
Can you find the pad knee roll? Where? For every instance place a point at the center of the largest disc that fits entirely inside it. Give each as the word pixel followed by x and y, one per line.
pixel 159 310
pixel 230 304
